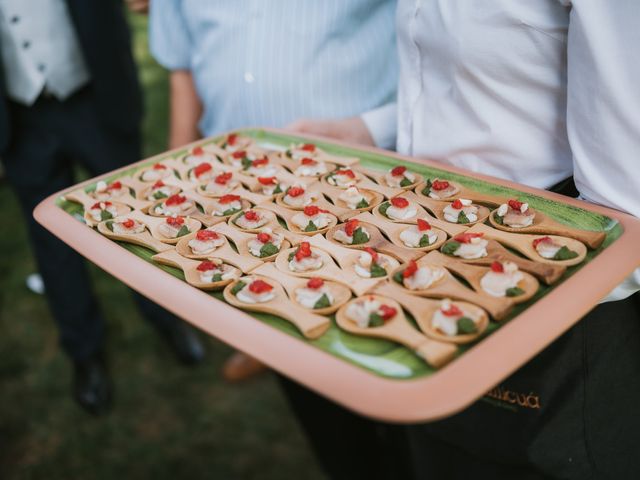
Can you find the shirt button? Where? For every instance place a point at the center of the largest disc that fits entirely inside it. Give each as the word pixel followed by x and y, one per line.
pixel 15 19
pixel 41 67
pixel 249 78
pixel 26 44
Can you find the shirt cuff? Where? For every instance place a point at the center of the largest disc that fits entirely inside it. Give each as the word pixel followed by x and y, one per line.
pixel 382 125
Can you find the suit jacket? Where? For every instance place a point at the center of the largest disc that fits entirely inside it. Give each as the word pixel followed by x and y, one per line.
pixel 104 37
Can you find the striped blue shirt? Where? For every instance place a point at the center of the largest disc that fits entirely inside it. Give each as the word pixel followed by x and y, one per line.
pixel 261 62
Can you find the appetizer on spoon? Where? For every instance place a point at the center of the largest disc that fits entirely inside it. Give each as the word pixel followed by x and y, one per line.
pixel 265 245
pixel 380 317
pixel 309 221
pixel 447 190
pixel 168 229
pixel 212 274
pixel 517 217
pixel 128 230
pixel 261 294
pixel 460 211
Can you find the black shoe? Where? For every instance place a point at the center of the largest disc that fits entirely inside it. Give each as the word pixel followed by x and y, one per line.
pixel 92 386
pixel 184 342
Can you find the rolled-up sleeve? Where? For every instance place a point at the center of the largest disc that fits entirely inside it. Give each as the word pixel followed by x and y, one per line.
pixel 382 123
pixel 603 106
pixel 169 38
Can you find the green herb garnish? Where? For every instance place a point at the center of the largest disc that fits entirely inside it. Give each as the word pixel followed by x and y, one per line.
pixel 159 195
pixel 565 254
pixel 217 277
pixel 105 215
pixel 359 236
pixel 277 189
pixel 424 241
pixel 462 218
pixel 231 211
pixel 268 249
pixel 288 153
pixel 377 271
pixel 246 163
pixel 466 325
pixel 323 302
pixel 311 227
pixel 450 248
pixel 362 203
pixel 499 220
pixel 110 226
pixel 398 277
pixel 427 190
pixel 514 292
pixel 375 320
pixel 184 230
pixel 383 208
pixel 238 286
pixel 405 182
pixel 291 256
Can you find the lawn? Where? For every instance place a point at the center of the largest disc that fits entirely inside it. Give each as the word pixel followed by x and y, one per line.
pixel 169 421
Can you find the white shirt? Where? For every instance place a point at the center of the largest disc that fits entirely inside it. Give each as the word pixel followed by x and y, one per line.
pixel 40 49
pixel 529 90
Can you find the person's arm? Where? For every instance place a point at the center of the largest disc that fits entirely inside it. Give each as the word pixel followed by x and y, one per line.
pixel 603 107
pixel 171 45
pixel 186 109
pixel 373 128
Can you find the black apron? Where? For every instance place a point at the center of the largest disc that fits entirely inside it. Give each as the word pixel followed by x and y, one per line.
pixel 572 412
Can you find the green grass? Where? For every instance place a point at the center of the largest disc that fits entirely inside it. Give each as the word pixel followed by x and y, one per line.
pixel 169 421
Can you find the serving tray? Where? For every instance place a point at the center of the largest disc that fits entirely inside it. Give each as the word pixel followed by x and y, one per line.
pixel 372 376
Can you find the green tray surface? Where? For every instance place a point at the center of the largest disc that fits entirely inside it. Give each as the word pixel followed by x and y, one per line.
pixel 382 357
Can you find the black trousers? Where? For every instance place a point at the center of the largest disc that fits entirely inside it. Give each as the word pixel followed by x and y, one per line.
pixel 48 139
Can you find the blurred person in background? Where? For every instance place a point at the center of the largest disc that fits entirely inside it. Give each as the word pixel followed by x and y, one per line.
pixel 543 93
pixel 69 94
pixel 267 63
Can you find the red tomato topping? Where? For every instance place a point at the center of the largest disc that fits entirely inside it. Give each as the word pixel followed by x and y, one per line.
pixel 158 184
pixel 98 205
pixel 159 166
pixel 308 161
pixel 223 200
pixel 239 154
pixel 387 312
pixel 438 185
pixel 295 191
pixel 202 169
pixel 264 237
pixel 231 139
pixel 423 225
pixel 467 237
pixel 373 253
pixel 308 147
pixel 497 267
pixel 399 202
pixel 205 235
pixel 398 171
pixel 259 162
pixel 410 270
pixel 115 186
pixel 515 204
pixel 351 226
pixel 457 204
pixel 311 210
pixel 268 180
pixel 346 172
pixel 206 266
pixel 175 221
pixel 260 286
pixel 540 240
pixel 315 283
pixel 251 215
pixel 128 223
pixel 175 200
pixel 303 251
pixel 453 311
pixel 223 178
pixel 197 151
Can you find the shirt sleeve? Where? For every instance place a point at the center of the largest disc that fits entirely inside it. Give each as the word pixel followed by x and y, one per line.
pixel 169 39
pixel 603 107
pixel 382 123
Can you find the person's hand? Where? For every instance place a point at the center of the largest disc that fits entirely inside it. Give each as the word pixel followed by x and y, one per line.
pixel 138 6
pixel 352 130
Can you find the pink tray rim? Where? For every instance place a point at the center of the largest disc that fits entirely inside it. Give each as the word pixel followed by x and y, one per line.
pixel 442 394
